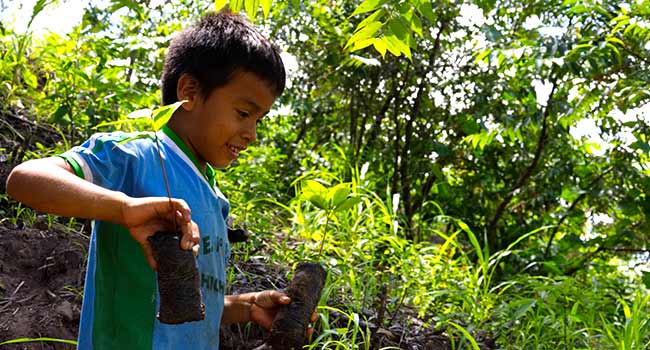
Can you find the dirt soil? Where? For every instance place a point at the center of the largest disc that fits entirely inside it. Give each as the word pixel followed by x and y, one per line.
pixel 41 281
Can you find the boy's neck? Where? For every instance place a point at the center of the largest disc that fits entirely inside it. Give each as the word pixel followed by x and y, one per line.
pixel 182 133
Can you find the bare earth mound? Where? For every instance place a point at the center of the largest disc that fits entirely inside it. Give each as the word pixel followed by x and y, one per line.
pixel 41 280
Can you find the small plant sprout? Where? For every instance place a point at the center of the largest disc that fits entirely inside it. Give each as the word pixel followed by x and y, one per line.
pixel 153 120
pixel 177 273
pixel 338 198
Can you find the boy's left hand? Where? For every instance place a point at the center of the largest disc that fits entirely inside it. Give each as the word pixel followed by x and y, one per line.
pixel 265 306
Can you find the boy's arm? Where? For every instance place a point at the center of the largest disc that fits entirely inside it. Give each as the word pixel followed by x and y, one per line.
pixel 259 307
pixel 50 185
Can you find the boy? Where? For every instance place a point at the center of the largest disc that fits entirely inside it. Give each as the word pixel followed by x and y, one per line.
pixel 229 75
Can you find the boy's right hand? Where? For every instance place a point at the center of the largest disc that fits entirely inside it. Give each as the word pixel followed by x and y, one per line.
pixel 145 216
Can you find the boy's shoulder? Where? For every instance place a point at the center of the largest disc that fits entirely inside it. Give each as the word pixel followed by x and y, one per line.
pixel 133 144
pixel 122 137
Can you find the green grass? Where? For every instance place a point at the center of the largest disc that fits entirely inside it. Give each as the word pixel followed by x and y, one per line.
pixel 31 340
pixel 454 285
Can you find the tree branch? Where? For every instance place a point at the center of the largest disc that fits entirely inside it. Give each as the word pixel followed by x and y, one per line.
pixel 523 178
pixel 409 209
pixel 628 250
pixel 571 208
pixel 374 129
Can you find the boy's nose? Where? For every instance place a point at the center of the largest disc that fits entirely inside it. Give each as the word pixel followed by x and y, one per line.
pixel 249 133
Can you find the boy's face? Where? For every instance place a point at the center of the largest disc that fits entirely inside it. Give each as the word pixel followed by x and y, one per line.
pixel 225 123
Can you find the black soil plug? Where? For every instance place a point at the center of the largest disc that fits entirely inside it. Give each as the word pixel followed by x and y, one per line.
pixel 178 280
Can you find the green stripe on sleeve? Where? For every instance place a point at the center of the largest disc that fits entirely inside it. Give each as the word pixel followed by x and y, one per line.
pixel 74 164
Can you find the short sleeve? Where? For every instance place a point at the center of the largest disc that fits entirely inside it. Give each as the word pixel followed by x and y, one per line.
pixel 104 160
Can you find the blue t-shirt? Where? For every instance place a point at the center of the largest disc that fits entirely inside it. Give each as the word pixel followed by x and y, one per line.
pixel 120 295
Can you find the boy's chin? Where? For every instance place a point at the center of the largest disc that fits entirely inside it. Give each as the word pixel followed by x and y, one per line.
pixel 221 165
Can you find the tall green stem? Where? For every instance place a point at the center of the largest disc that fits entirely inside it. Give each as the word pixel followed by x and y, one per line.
pixel 322 242
pixel 162 166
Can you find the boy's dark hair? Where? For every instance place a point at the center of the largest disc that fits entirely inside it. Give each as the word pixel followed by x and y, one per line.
pixel 215 48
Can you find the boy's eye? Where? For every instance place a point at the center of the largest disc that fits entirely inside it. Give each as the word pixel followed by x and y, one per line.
pixel 243 114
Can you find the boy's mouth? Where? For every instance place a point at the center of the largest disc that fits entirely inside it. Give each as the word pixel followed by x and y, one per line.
pixel 234 150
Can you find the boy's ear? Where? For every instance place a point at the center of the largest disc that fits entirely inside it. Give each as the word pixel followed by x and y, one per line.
pixel 188 88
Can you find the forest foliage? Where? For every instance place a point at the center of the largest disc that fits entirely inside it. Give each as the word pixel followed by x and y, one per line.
pixel 482 162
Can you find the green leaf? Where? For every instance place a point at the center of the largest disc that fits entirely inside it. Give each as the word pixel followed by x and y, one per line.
pixel 616 53
pixel 483 55
pixel 236 5
pixel 251 8
pixel 626 309
pixel 551 266
pixel 640 145
pixel 143 123
pixel 491 32
pixel 380 46
pixel 616 40
pixel 57 116
pixel 397 27
pixel 486 5
pixel 578 9
pixel 162 115
pixel 395 44
pixel 398 37
pixel 135 137
pixel 28 340
pixel 620 21
pixel 366 32
pixel 266 7
pixel 348 203
pixel 140 113
pixel 391 46
pixel 372 18
pixel 367 6
pixel 362 44
pixel 318 201
pixel 415 23
pixel 219 4
pixel 569 194
pixel 467 335
pixel 38 7
pixel 30 79
pixel 315 193
pixel 315 187
pixel 524 306
pixel 426 10
pixel 337 194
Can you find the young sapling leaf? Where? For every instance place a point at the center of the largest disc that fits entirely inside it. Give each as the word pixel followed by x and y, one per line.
pixel 140 113
pixel 348 203
pixel 335 199
pixel 315 186
pixel 266 8
pixel 139 136
pixel 337 194
pixel 152 119
pixel 162 115
pixel 219 4
pixel 316 193
pixel 178 279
